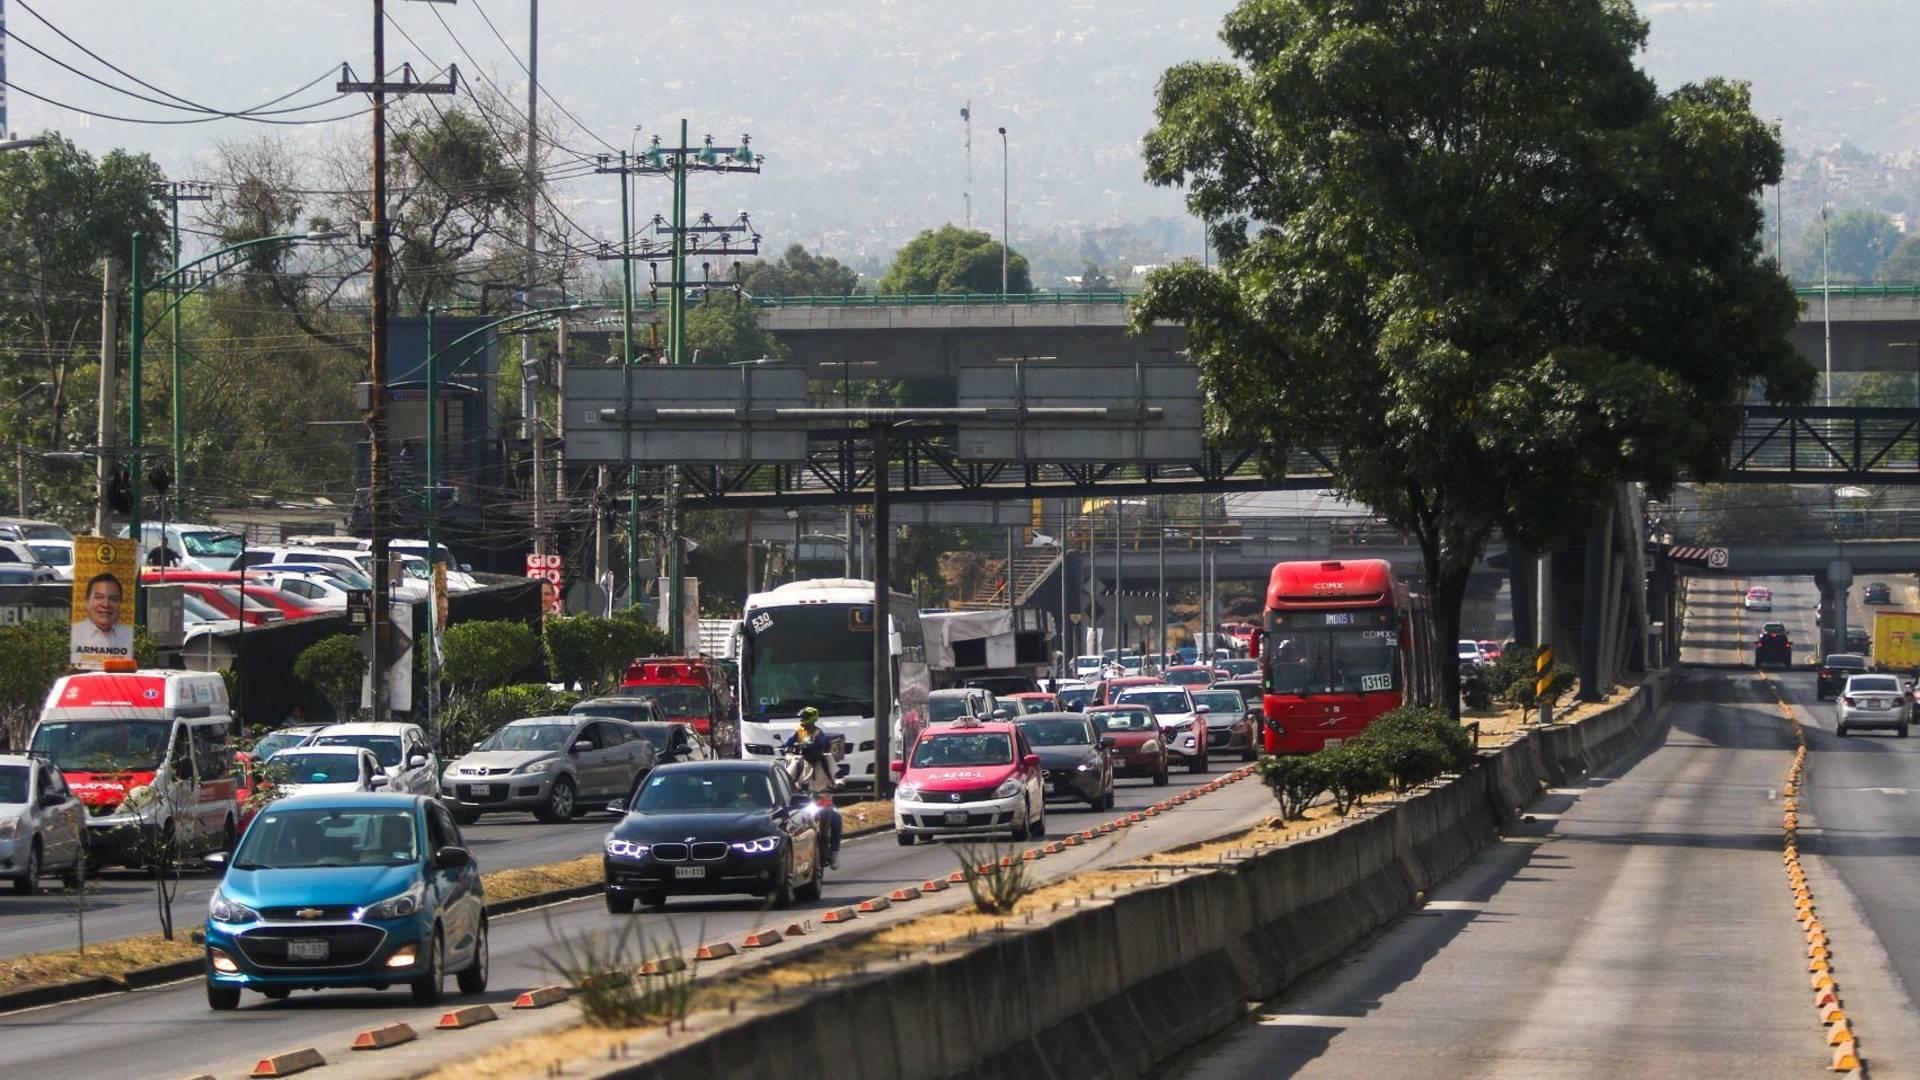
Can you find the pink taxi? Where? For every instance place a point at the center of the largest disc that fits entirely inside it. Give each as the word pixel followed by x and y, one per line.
pixel 968 778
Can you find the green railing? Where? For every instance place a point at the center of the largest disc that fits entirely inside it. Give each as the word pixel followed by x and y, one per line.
pixel 1040 299
pixel 1814 291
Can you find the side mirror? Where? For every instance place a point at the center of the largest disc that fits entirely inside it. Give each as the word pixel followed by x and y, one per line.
pixel 800 801
pixel 380 781
pixel 215 861
pixel 1031 761
pixel 452 858
pixel 1108 742
pixel 899 768
pixel 997 714
pixel 617 806
pixel 1202 710
pixel 466 568
pixel 51 799
pixel 583 746
pixel 417 761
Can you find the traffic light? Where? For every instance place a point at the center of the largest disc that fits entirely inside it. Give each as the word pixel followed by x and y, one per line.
pixel 158 479
pixel 120 490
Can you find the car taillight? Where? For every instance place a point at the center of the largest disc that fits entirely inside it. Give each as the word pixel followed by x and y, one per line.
pixel 1850 702
pixel 1826 673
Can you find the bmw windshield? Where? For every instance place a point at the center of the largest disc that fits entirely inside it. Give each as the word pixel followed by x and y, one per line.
pixel 681 791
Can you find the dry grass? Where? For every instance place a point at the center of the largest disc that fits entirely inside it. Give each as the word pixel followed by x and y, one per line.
pixel 866 816
pixel 112 959
pixel 529 880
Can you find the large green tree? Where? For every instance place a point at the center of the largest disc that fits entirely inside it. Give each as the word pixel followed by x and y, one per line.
pixel 1902 266
pixel 1855 243
pixel 799 272
pixel 1472 253
pixel 954 260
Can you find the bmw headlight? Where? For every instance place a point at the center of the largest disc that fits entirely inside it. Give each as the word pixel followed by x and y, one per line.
pixel 9 828
pixel 1151 746
pixel 1009 788
pixel 909 791
pixel 543 765
pixel 765 845
pixel 397 907
pixel 225 910
pixel 626 849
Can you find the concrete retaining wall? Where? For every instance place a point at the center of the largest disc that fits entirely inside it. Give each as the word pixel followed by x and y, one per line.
pixel 1117 986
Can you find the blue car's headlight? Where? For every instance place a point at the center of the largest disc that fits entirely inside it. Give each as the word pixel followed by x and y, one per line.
pixel 225 910
pixel 397 907
pixel 626 849
pixel 765 845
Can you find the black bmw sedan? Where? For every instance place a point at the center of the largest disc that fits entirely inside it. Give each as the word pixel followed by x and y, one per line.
pixel 714 827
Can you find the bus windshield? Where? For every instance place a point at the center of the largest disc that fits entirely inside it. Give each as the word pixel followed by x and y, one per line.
pixel 1331 661
pixel 808 655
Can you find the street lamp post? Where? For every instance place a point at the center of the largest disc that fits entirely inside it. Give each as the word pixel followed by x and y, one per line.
pixel 1003 211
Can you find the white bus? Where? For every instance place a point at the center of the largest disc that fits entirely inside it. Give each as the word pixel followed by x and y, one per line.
pixel 811 643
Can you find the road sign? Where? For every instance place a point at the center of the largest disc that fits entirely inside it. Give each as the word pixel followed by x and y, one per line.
pixel 1717 558
pixel 1128 391
pixel 613 414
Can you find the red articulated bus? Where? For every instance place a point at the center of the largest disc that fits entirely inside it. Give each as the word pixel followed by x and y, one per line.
pixel 1341 643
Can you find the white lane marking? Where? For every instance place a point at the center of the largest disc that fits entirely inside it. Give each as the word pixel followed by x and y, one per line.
pixel 1453 905
pixel 1304 1020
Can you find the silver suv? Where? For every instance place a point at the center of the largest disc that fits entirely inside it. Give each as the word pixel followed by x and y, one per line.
pixel 555 766
pixel 42 825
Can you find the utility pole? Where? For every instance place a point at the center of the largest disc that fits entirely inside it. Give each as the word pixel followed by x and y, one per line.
pixel 105 437
pixel 1004 186
pixel 529 385
pixel 378 513
pixel 966 117
pixel 717 239
pixel 173 193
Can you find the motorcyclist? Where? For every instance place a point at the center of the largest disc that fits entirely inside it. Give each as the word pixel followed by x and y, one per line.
pixel 816 775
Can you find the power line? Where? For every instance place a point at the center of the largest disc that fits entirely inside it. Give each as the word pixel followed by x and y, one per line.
pixel 548 94
pixel 245 114
pixel 97 114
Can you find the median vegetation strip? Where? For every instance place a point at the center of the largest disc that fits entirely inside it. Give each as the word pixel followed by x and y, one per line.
pixel 108 959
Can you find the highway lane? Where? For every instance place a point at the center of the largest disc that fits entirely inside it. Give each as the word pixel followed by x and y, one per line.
pixel 122 901
pixel 1640 926
pixel 170 1031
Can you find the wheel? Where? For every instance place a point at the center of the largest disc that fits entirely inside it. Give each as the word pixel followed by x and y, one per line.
pixel 229 836
pixel 428 988
pixel 1199 764
pixel 1160 778
pixel 1248 753
pixel 1039 828
pixel 809 891
pixel 473 979
pixel 278 993
pixel 906 839
pixel 1903 730
pixel 1841 731
pixel 222 998
pixel 559 806
pixel 1107 802
pixel 29 880
pixel 465 816
pixel 1025 828
pixel 619 903
pixel 782 896
pixel 76 876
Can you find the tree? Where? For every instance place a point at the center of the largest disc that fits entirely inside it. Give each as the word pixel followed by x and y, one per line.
pixel 1754 514
pixel 590 652
pixel 1095 280
pixel 799 272
pixel 335 667
pixel 1470 253
pixel 484 654
pixel 1903 265
pixel 723 329
pixel 1856 242
pixel 33 654
pixel 954 260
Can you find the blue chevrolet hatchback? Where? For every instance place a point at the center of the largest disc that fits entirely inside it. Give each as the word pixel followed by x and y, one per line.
pixel 347 890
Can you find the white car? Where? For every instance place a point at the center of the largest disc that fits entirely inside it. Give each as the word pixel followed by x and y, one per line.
pixel 459 577
pixel 1181 727
pixel 17 553
pixel 410 764
pixel 57 554
pixel 188 546
pixel 408 588
pixel 42 824
pixel 312 770
pixel 1088 667
pixel 320 589
pixel 1874 701
pixel 1759 598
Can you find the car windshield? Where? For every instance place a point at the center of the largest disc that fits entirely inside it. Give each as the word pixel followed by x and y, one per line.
pixel 1162 702
pixel 16 575
pixel 307 838
pixel 945 710
pixel 53 554
pixel 948 751
pixel 13 784
pixel 535 736
pixel 93 746
pixel 1057 732
pixel 1188 678
pixel 1123 720
pixel 276 741
pixel 655 735
pixel 1774 628
pixel 1222 702
pixel 632 710
pixel 384 747
pixel 678 791
pixel 218 544
pixel 1847 660
pixel 31 530
pixel 1072 700
pixel 1873 684
pixel 307 767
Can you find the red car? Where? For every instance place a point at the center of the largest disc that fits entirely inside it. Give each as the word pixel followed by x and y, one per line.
pixel 225 600
pixel 1107 689
pixel 1134 735
pixel 1197 676
pixel 968 778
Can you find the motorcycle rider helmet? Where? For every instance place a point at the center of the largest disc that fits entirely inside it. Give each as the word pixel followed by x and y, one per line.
pixel 809 716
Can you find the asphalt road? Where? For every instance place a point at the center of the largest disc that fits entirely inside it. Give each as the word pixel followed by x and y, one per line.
pixel 122 901
pixel 170 1031
pixel 1640 926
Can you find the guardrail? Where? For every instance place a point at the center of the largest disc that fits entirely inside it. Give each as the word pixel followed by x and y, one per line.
pixel 1033 299
pixel 1859 290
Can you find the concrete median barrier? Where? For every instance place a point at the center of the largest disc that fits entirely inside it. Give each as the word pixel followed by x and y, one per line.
pixel 1156 968
pixel 288 1063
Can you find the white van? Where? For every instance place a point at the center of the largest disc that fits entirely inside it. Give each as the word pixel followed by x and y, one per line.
pixel 150 755
pixel 188 546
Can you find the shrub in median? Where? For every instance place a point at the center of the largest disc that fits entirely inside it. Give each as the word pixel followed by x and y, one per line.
pixel 1511 678
pixel 1354 771
pixel 1295 780
pixel 1414 745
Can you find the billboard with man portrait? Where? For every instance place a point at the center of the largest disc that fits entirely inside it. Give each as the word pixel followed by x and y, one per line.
pixel 105 574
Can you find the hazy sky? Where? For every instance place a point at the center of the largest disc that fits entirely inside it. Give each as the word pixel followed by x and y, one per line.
pixel 855 104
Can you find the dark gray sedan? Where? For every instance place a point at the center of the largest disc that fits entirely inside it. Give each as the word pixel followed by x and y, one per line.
pixel 1077 761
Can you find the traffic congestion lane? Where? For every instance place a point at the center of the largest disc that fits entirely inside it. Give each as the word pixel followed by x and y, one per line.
pixel 1859 835
pixel 1637 927
pixel 169 1030
pixel 121 902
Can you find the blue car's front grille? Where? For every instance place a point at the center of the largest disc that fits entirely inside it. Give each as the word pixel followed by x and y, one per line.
pixel 315 913
pixel 346 945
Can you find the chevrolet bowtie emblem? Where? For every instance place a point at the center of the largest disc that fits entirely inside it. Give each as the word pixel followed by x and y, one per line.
pixel 309 913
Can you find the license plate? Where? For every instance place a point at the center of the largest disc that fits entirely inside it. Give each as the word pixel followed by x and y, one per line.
pixel 955 817
pixel 684 872
pixel 1335 744
pixel 482 790
pixel 307 949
